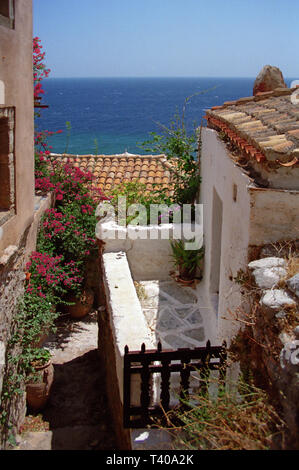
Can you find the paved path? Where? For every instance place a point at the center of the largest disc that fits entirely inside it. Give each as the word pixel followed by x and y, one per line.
pixel 77 410
pixel 179 318
pixel 175 314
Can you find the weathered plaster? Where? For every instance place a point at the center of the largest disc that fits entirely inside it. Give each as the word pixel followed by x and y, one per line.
pixel 16 75
pixel 222 176
pixel 251 216
pixel 274 215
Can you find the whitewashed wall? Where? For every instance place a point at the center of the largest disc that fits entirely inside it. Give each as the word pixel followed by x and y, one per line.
pixel 250 216
pixel 148 248
pixel 220 174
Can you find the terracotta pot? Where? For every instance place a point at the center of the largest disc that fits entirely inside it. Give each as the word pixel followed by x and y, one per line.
pixel 187 275
pixel 42 338
pixel 83 304
pixel 37 393
pixel 185 282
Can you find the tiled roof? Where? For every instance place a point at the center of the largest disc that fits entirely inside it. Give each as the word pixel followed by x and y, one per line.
pixel 263 127
pixel 112 170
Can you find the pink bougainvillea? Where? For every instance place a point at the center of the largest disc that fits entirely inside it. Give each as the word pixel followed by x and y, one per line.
pixel 39 69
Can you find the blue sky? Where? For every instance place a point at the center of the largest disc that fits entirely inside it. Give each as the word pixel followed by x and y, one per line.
pixel 192 38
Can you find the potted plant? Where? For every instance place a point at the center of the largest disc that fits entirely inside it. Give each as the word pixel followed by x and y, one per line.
pixel 79 305
pixel 39 379
pixel 187 261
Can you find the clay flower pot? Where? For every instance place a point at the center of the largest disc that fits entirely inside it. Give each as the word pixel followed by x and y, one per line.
pixel 82 305
pixel 37 393
pixel 186 276
pixel 42 338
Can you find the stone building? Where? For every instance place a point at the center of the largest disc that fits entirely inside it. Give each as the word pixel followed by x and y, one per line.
pixel 250 190
pixel 20 211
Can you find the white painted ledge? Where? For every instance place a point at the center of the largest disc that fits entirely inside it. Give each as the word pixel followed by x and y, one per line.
pixel 129 327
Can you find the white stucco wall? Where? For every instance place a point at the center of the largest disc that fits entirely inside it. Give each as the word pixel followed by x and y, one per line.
pixel 148 248
pixel 221 174
pixel 251 216
pixel 128 324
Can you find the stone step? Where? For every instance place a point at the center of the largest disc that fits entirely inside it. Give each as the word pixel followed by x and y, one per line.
pixel 67 438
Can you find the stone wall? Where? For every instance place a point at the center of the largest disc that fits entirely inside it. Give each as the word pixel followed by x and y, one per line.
pixel 121 324
pixel 12 276
pixel 17 92
pixel 274 348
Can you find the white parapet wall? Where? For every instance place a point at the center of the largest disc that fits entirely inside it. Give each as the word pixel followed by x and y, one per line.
pixel 148 248
pixel 128 324
pixel 127 327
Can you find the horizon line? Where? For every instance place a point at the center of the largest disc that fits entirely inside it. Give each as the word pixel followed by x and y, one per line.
pixel 158 77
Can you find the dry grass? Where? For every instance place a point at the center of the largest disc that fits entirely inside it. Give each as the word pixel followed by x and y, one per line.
pixel 227 423
pixel 293 266
pixel 140 291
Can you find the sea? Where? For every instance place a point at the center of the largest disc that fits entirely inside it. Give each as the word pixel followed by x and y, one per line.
pixel 116 115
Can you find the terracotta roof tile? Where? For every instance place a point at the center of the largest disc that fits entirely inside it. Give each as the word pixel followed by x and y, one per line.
pixel 112 170
pixel 265 127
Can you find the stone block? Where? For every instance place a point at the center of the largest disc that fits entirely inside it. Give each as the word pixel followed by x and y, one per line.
pixel 266 278
pixel 293 284
pixel 276 300
pixel 269 262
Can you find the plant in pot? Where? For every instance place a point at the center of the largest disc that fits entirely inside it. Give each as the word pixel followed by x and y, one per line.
pixel 68 232
pixel 187 261
pixel 40 314
pixel 40 374
pixel 80 304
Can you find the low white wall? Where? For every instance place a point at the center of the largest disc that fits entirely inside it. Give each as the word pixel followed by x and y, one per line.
pixel 147 247
pixel 127 322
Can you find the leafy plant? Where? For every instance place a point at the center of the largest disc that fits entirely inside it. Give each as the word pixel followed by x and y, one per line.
pixel 39 357
pixel 35 358
pixel 137 193
pixel 96 145
pixel 68 135
pixel 68 232
pixel 186 260
pixel 175 142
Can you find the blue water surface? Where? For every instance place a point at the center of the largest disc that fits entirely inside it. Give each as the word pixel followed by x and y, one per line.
pixel 114 115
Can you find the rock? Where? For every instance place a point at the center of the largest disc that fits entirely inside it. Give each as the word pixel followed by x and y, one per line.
pixel 281 314
pixel 36 441
pixel 8 253
pixel 270 262
pixel 268 79
pixel 276 300
pixel 266 278
pixel 285 338
pixel 293 284
pixel 289 355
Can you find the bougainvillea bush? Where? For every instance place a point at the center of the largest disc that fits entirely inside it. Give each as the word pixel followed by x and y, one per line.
pixel 66 240
pixel 51 274
pixel 68 232
pixel 39 69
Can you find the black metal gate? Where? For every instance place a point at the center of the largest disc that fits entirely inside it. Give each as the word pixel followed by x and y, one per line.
pixel 145 363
